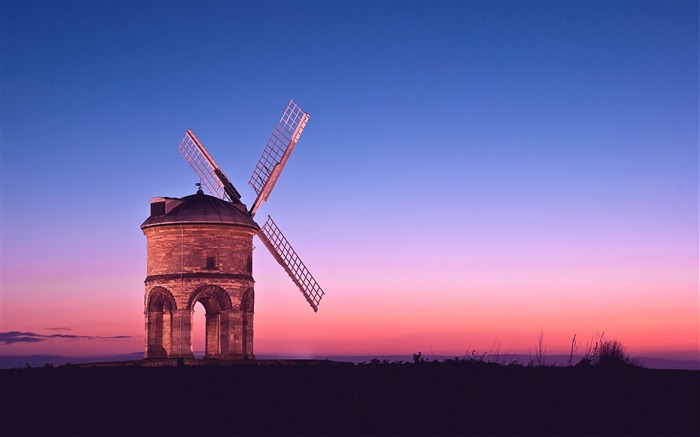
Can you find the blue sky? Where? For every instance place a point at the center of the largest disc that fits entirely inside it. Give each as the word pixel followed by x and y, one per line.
pixel 535 157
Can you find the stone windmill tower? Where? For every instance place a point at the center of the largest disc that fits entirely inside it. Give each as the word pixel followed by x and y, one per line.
pixel 200 249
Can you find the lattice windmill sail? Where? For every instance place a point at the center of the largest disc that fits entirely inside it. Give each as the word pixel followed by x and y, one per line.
pixel 276 153
pixel 283 252
pixel 206 168
pixel 274 157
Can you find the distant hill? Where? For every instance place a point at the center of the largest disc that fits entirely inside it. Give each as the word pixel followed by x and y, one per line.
pixel 19 361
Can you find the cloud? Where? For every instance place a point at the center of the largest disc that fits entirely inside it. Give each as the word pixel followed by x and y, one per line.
pixel 11 337
pixel 19 337
pixel 59 329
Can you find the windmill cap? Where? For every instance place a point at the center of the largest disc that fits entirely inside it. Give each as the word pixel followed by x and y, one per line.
pixel 198 208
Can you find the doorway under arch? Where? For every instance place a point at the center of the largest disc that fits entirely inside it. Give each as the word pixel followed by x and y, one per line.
pixel 216 306
pixel 199 319
pixel 159 321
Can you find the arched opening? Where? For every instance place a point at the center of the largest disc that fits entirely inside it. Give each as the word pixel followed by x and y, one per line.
pixel 215 310
pixel 159 319
pixel 198 330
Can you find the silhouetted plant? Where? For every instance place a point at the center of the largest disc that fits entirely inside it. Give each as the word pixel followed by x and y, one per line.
pixel 417 358
pixel 606 353
pixel 539 359
pixel 591 350
pixel 572 352
pixel 612 353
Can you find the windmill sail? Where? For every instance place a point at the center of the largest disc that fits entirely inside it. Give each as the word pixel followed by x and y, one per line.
pixel 206 168
pixel 276 153
pixel 283 252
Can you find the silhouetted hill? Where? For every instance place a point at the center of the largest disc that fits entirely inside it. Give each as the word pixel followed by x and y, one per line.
pixel 326 398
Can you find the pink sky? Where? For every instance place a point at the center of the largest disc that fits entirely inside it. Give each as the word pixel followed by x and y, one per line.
pixel 487 305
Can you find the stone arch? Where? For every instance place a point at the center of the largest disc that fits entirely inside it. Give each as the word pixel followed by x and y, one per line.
pixel 247 309
pixel 210 295
pixel 218 313
pixel 160 306
pixel 248 300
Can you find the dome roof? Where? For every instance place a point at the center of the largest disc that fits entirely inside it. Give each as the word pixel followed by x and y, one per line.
pixel 197 209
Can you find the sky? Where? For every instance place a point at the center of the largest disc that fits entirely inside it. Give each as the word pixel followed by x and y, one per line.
pixel 473 174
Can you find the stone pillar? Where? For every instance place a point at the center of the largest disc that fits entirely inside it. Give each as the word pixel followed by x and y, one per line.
pixel 212 347
pixel 167 331
pixel 224 334
pixel 236 333
pixel 247 328
pixel 182 334
pixel 146 338
pixel 156 346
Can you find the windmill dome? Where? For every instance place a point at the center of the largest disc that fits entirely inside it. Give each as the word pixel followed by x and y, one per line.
pixel 197 209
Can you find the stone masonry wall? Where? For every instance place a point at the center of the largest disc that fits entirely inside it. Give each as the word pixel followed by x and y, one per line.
pixel 185 248
pixel 177 263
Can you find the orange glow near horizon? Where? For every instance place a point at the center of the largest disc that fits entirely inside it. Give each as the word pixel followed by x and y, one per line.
pixel 450 312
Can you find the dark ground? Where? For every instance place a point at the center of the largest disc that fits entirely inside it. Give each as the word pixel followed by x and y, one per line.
pixel 323 398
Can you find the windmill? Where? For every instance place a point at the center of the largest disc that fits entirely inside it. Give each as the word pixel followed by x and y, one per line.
pixel 265 175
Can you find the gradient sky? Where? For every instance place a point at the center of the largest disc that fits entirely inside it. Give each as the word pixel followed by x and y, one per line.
pixel 473 173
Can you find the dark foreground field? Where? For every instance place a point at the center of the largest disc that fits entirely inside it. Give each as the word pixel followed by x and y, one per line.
pixel 312 398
